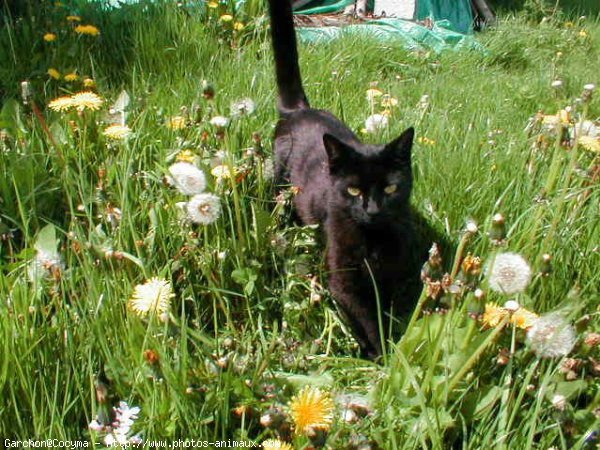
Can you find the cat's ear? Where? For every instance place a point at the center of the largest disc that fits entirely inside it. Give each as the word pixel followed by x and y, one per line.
pixel 339 154
pixel 400 148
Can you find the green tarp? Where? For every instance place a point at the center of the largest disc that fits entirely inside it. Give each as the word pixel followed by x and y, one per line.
pixel 452 20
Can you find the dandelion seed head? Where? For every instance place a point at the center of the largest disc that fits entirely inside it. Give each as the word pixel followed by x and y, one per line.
pixel 187 178
pixel 219 121
pixel 511 305
pixel 509 273
pixel 154 298
pixel 376 122
pixel 559 402
pixel 204 208
pixel 243 107
pixel 551 336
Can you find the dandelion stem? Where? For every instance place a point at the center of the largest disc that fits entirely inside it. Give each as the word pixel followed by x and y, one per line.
pixel 475 356
pixel 459 252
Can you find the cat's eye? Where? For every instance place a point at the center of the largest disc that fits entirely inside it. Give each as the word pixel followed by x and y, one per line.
pixel 390 189
pixel 353 191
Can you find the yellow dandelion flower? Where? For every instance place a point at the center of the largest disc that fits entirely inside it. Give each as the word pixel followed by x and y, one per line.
pixel 583 34
pixel 117 132
pixel 523 318
pixel 590 143
pixel 373 93
pixel 176 123
pixel 564 116
pixel 493 315
pixel 238 26
pixel 71 77
pixel 569 24
pixel 152 297
pixel 425 140
pixel 310 409
pixel 213 5
pixel 226 18
pixel 50 37
pixel 388 101
pixel 87 100
pixel 223 172
pixel 74 18
pixel 89 83
pixel 87 29
pixel 276 444
pixel 186 156
pixel 61 104
pixel 54 73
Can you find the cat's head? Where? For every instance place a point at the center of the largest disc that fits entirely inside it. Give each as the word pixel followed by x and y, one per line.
pixel 372 182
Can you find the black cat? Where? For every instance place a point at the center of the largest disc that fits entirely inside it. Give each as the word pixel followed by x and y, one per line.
pixel 359 193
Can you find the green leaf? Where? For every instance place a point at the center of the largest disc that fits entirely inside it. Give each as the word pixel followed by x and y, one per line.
pixel 46 240
pixel 245 277
pixel 487 402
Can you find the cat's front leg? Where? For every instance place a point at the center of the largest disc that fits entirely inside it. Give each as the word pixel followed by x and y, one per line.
pixel 355 295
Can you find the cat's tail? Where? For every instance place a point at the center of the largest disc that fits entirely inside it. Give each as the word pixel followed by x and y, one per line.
pixel 287 71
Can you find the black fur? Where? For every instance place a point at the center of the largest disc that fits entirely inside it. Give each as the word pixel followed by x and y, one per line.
pixel 346 186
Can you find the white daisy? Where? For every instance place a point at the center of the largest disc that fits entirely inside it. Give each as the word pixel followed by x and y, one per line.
pixel 243 107
pixel 376 122
pixel 551 336
pixel 187 178
pixel 509 273
pixel 204 208
pixel 219 121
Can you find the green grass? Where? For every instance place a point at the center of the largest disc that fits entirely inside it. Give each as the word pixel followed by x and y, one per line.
pixel 243 329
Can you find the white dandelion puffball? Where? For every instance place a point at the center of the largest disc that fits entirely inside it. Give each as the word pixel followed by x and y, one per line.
pixel 204 208
pixel 376 122
pixel 509 273
pixel 219 121
pixel 243 107
pixel 187 178
pixel 551 336
pixel 153 297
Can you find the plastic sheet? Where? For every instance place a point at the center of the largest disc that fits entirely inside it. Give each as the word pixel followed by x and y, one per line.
pixel 452 20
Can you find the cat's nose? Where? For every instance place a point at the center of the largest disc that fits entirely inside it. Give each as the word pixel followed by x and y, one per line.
pixel 372 207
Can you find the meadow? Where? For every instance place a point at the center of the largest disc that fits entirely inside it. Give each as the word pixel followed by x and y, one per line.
pixel 146 256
